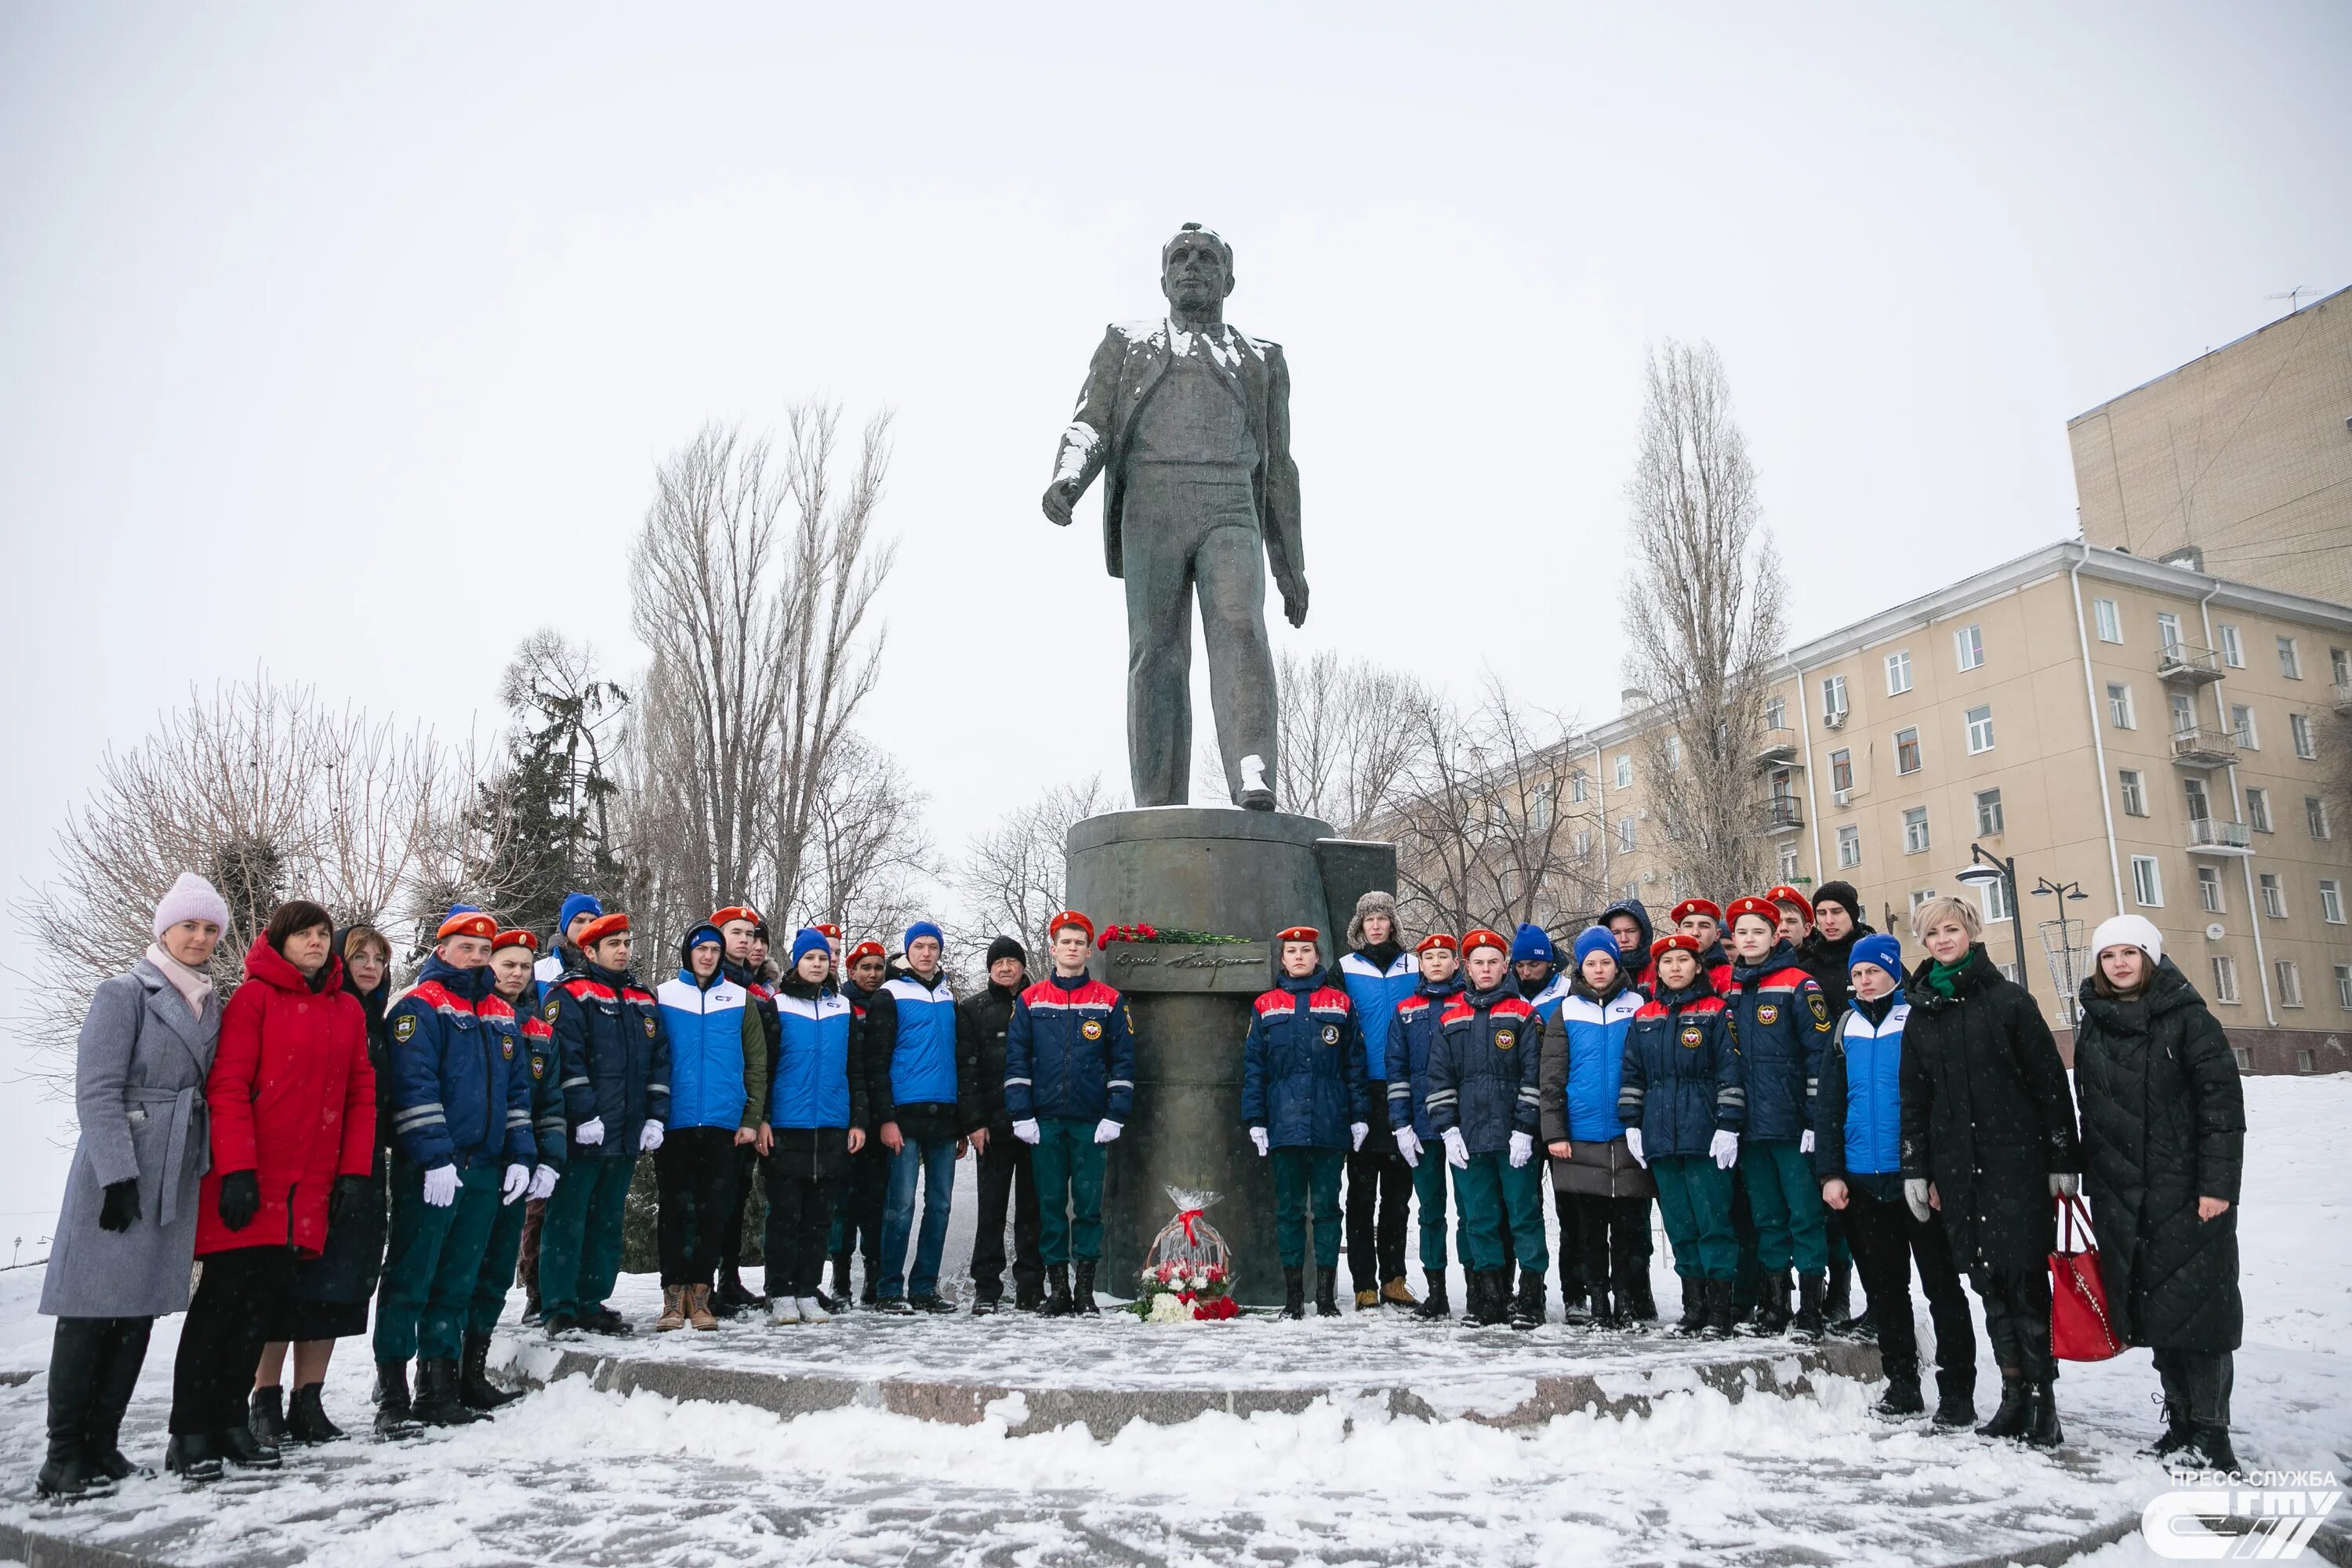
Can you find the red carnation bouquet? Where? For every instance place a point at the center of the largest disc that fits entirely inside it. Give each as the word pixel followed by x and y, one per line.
pixel 1136 932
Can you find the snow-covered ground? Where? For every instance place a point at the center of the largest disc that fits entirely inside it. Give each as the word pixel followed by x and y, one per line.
pixel 572 1476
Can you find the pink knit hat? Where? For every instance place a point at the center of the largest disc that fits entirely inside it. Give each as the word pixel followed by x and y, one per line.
pixel 191 899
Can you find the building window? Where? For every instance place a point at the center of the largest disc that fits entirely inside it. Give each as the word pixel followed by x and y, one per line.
pixel 1849 847
pixel 1915 830
pixel 1833 696
pixel 2119 705
pixel 2225 978
pixel 2167 630
pixel 2331 901
pixel 2290 982
pixel 2148 883
pixel 2184 713
pixel 1996 902
pixel 1576 785
pixel 2290 661
pixel 1673 753
pixel 1842 770
pixel 1788 862
pixel 1584 842
pixel 1776 713
pixel 2245 1057
pixel 1906 751
pixel 2344 986
pixel 1968 646
pixel 2258 810
pixel 2298 725
pixel 2110 619
pixel 2200 807
pixel 1625 833
pixel 2314 815
pixel 2340 660
pixel 1625 770
pixel 2135 797
pixel 2209 890
pixel 1920 896
pixel 2273 895
pixel 1989 816
pixel 2303 1062
pixel 2241 724
pixel 2233 652
pixel 1898 673
pixel 1980 730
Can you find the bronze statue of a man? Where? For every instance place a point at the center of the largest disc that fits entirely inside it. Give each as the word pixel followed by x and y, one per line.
pixel 1189 421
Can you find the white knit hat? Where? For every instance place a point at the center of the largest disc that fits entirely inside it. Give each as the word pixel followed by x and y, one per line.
pixel 191 899
pixel 2128 931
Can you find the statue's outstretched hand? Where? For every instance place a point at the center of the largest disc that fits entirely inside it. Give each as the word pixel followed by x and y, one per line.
pixel 1293 601
pixel 1061 496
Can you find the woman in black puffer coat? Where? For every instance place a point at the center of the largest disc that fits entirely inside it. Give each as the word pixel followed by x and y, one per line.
pixel 2164 1139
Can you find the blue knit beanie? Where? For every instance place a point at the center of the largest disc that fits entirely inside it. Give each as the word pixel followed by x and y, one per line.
pixel 574 906
pixel 1881 950
pixel 1532 942
pixel 919 928
pixel 704 936
pixel 808 939
pixel 1596 939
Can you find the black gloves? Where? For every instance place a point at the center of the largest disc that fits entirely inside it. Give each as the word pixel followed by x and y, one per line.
pixel 347 1191
pixel 120 1211
pixel 240 1199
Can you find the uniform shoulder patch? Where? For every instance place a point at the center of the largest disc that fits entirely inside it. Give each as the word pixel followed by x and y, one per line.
pixel 553 1009
pixel 404 1028
pixel 1820 1007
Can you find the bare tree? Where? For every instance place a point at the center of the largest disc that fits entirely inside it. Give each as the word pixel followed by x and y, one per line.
pixel 869 865
pixel 269 796
pixel 1705 610
pixel 1016 876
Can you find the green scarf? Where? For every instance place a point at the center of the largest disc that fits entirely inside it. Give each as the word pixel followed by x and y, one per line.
pixel 1942 976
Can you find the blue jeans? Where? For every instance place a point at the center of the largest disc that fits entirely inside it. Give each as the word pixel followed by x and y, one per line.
pixel 933 1159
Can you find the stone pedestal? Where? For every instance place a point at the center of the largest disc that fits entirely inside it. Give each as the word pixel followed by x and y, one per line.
pixel 1234 873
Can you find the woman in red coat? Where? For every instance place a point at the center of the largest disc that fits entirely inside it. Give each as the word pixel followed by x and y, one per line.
pixel 293 1131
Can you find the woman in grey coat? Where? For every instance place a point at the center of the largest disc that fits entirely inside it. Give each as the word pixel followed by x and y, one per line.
pixel 126 1237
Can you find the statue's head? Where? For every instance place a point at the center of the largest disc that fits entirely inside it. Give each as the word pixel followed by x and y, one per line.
pixel 1196 269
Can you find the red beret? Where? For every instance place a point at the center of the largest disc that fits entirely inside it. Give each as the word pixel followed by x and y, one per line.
pixel 514 938
pixel 1298 934
pixel 1678 942
pixel 1707 907
pixel 1069 918
pixel 472 922
pixel 1784 894
pixel 865 950
pixel 1764 909
pixel 743 912
pixel 602 927
pixel 1477 937
pixel 1435 939
pixel 830 932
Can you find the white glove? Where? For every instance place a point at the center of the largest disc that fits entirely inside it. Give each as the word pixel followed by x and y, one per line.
pixel 1523 1149
pixel 542 1183
pixel 589 1132
pixel 1633 1146
pixel 517 1182
pixel 2066 1186
pixel 1805 1145
pixel 1457 1153
pixel 1914 1193
pixel 1257 1136
pixel 1357 1131
pixel 1028 1132
pixel 1408 1145
pixel 441 1186
pixel 1107 1130
pixel 650 1139
pixel 1725 1147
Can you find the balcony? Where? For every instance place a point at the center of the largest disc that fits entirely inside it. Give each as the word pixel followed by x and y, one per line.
pixel 2209 836
pixel 2204 748
pixel 2186 664
pixel 2344 697
pixel 1777 747
pixel 1779 814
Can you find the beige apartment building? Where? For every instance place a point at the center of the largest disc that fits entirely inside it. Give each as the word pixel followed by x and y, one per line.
pixel 2140 733
pixel 2242 458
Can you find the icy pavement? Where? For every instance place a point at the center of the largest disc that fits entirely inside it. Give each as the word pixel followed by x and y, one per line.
pixel 573 1476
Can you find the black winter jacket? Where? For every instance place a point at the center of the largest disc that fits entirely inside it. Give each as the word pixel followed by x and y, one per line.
pixel 2164 1123
pixel 981 1021
pixel 349 1265
pixel 1831 964
pixel 1987 1115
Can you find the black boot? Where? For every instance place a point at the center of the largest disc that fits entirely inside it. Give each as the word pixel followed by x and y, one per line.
pixel 732 1295
pixel 1771 1319
pixel 841 1277
pixel 1294 1291
pixel 2179 1423
pixel 437 1404
pixel 1495 1308
pixel 2207 1449
pixel 987 1302
pixel 2009 1420
pixel 1699 1297
pixel 1028 1295
pixel 2042 1428
pixel 1474 1298
pixel 1605 1311
pixel 1956 1398
pixel 1326 1291
pixel 475 1389
pixel 1434 1308
pixel 267 1418
pixel 1837 1301
pixel 1718 1310
pixel 126 1353
pixel 1634 1295
pixel 394 1416
pixel 1060 1304
pixel 1902 1399
pixel 1527 1308
pixel 306 1418
pixel 1811 1322
pixel 1082 1287
pixel 240 1448
pixel 193 1457
pixel 76 1353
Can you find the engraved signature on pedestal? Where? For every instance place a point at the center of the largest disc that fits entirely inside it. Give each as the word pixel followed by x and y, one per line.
pixel 1199 958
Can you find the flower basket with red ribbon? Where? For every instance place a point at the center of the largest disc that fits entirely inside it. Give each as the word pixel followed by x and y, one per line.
pixel 1188 1275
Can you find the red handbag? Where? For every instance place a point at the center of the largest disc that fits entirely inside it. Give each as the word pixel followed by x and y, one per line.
pixel 2081 1328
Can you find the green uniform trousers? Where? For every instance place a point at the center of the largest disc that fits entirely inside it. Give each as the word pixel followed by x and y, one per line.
pixel 498 1272
pixel 430 1266
pixel 1787 1203
pixel 1068 1164
pixel 1494 1197
pixel 1695 1201
pixel 1306 1187
pixel 1429 1196
pixel 580 1239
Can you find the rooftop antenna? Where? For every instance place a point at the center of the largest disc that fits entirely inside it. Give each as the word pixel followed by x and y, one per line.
pixel 2293 297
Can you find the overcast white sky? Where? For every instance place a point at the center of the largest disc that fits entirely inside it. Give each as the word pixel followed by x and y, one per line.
pixel 343 340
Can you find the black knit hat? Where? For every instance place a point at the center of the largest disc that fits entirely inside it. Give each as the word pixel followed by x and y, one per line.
pixel 1842 895
pixel 1007 947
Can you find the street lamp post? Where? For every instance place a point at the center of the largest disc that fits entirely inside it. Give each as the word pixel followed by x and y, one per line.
pixel 1986 866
